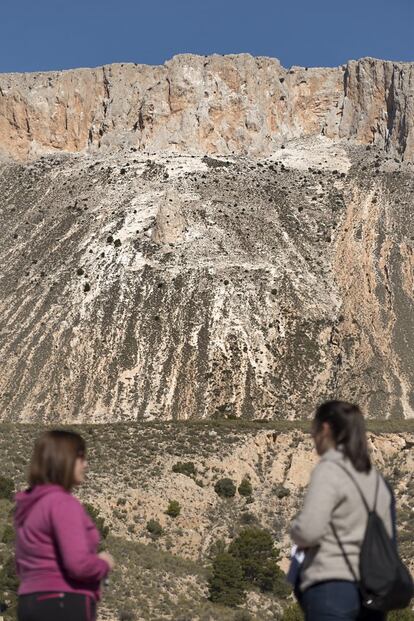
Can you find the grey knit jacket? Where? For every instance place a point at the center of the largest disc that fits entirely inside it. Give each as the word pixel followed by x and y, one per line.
pixel 333 497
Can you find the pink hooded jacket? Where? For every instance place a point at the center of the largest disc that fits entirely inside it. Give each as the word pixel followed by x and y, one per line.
pixel 56 543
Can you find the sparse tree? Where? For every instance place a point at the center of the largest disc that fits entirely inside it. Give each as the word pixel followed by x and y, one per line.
pixel 226 584
pixel 292 613
pixel 6 488
pixel 254 547
pixel 154 528
pixel 173 509
pixel 97 519
pixel 186 468
pixel 225 488
pixel 245 488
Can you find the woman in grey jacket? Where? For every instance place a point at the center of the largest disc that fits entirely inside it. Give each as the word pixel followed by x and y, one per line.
pixel 328 591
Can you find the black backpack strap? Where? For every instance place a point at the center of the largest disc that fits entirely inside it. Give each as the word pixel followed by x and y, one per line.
pixel 376 492
pixel 366 505
pixel 393 509
pixel 344 554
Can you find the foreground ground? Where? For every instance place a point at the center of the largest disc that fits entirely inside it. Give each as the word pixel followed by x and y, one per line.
pixel 131 481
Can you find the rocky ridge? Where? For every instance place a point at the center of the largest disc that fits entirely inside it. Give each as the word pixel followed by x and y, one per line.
pixel 219 105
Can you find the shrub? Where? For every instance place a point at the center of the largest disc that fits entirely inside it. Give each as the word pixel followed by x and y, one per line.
pixel 226 584
pixel 6 488
pixel 401 615
pixel 248 518
pixel 225 488
pixel 186 468
pixel 245 488
pixel 8 578
pixel 216 548
pixel 255 549
pixel 8 589
pixel 281 491
pixel 173 509
pixel 97 519
pixel 280 586
pixel 292 613
pixel 8 534
pixel 242 615
pixel 154 528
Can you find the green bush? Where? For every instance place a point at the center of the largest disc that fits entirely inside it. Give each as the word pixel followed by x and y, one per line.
pixel 255 549
pixel 245 488
pixel 226 584
pixel 281 491
pixel 8 534
pixel 97 519
pixel 225 488
pixel 280 586
pixel 173 509
pixel 248 518
pixel 242 615
pixel 154 528
pixel 401 615
pixel 186 468
pixel 216 548
pixel 292 613
pixel 6 488
pixel 8 577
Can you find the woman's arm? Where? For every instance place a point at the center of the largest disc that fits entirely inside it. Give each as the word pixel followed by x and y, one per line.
pixel 322 496
pixel 68 522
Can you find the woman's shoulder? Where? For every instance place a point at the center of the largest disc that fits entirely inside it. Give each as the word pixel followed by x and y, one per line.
pixel 62 501
pixel 327 472
pixel 331 462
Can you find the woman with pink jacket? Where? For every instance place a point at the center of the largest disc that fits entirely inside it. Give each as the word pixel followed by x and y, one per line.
pixel 57 558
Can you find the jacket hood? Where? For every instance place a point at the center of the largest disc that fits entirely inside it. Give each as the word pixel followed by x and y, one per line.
pixel 25 501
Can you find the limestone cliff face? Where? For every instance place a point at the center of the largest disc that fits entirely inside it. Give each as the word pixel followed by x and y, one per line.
pixel 215 105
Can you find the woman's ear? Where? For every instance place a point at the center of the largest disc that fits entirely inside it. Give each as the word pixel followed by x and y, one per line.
pixel 328 436
pixel 326 430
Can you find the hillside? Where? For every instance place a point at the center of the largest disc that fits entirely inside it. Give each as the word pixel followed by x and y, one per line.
pixel 131 481
pixel 145 287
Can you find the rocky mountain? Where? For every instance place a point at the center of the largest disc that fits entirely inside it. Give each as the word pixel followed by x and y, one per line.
pixel 218 236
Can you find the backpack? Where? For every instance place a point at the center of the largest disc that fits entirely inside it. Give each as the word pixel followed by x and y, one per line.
pixel 385 583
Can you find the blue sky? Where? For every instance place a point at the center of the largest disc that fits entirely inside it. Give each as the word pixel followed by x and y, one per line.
pixel 41 35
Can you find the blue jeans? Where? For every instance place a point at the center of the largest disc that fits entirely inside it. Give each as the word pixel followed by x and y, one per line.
pixel 336 600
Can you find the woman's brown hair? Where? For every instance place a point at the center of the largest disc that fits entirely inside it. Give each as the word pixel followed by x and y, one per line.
pixel 348 429
pixel 54 457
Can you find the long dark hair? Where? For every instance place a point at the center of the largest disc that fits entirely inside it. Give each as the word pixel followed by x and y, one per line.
pixel 54 458
pixel 348 429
